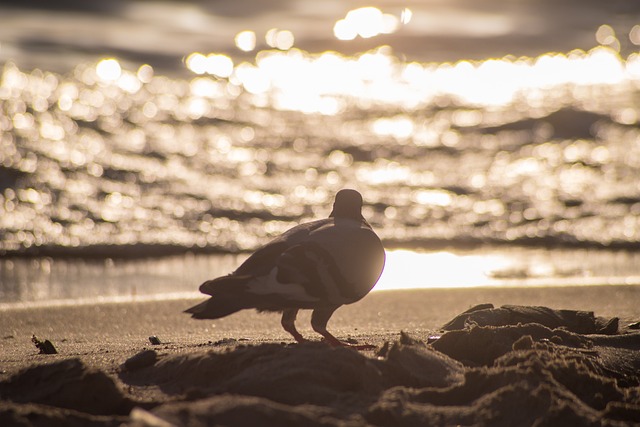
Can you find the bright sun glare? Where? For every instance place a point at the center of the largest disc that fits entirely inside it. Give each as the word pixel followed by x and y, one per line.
pixel 407 270
pixel 324 83
pixel 327 82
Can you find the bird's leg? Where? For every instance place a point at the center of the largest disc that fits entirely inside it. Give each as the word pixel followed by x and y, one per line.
pixel 289 323
pixel 319 320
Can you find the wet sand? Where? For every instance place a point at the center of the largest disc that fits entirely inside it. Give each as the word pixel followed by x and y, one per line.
pixel 245 369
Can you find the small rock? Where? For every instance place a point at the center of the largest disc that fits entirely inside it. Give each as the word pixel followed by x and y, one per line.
pixel 141 360
pixel 635 325
pixel 610 327
pixel 154 340
pixel 45 347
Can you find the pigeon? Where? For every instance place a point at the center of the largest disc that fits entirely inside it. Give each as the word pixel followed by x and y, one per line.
pixel 319 265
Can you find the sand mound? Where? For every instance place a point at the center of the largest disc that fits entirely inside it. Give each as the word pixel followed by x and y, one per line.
pixel 298 374
pixel 505 366
pixel 581 322
pixel 67 384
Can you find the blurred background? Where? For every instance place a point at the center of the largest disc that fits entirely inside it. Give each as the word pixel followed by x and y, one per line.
pixel 146 146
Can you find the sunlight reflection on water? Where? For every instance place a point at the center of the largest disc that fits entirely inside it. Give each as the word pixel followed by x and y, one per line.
pixel 109 156
pixel 378 76
pixel 514 267
pixel 46 281
pixel 541 151
pixel 407 269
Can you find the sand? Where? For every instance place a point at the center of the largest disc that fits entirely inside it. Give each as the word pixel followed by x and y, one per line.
pixel 519 361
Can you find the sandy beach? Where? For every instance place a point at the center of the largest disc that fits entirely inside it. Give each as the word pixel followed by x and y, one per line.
pixel 245 370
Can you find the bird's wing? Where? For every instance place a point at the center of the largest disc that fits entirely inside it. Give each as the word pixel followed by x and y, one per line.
pixel 311 266
pixel 263 260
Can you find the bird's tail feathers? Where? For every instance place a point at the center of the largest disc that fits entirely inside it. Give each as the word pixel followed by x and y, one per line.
pixel 214 308
pixel 230 283
pixel 227 297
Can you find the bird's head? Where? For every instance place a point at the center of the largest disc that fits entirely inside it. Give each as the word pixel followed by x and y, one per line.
pixel 348 204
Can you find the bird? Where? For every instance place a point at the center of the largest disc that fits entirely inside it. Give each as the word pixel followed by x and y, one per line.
pixel 318 265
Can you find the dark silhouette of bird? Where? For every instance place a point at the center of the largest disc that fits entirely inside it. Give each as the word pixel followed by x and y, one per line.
pixel 319 265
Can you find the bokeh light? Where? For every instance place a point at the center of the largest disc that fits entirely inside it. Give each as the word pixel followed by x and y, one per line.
pixel 606 36
pixel 197 63
pixel 245 40
pixel 219 65
pixel 634 35
pixel 145 73
pixel 280 39
pixel 406 15
pixel 367 22
pixel 109 69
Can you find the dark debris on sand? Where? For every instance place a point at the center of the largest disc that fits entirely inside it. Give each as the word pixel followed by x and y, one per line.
pixel 503 366
pixel 45 347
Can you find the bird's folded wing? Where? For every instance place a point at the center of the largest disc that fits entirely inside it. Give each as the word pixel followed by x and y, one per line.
pixel 263 260
pixel 311 266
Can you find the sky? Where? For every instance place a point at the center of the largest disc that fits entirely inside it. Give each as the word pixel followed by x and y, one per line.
pixel 58 35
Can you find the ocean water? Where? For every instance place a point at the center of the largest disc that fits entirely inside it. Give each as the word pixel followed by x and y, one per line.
pixel 520 169
pixel 45 281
